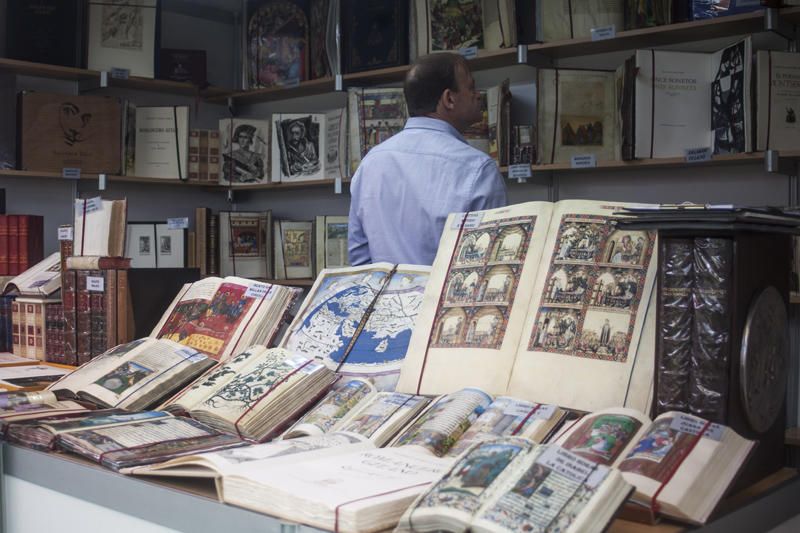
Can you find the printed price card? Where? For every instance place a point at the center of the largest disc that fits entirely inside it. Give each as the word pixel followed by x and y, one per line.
pixel 95 284
pixel 257 290
pixel 693 426
pixel 471 52
pixel 65 234
pixel 519 172
pixel 698 155
pixel 566 463
pixel 89 205
pixel 120 73
pixel 178 223
pixel 71 173
pixel 604 32
pixel 583 161
pixel 472 222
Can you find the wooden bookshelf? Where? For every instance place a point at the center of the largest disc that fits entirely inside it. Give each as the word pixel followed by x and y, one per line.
pixel 35 174
pixel 287 186
pixel 41 70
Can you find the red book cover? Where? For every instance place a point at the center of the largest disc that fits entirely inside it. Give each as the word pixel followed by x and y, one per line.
pixel 31 241
pixel 13 245
pixel 3 245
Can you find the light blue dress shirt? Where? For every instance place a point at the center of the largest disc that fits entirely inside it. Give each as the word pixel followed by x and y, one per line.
pixel 406 186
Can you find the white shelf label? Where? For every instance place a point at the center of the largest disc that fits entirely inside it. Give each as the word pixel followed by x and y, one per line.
pixel 95 284
pixel 698 155
pixel 178 223
pixel 257 290
pixel 583 161
pixel 101 182
pixel 71 173
pixel 471 52
pixel 65 234
pixel 520 172
pixel 90 205
pixel 120 73
pixel 693 426
pixel 103 78
pixel 290 84
pixel 337 186
pixel 604 32
pixel 472 222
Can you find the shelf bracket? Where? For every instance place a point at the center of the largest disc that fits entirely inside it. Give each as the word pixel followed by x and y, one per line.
pixel 776 164
pixel 774 23
pixel 229 196
pixel 338 83
pixel 522 54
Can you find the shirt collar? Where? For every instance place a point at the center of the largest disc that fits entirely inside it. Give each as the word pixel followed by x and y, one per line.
pixel 428 123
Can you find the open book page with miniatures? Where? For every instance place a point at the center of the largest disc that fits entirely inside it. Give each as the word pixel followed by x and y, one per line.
pixel 18 406
pixel 133 376
pixel 222 316
pixel 355 408
pixel 537 300
pixel 512 484
pixel 156 438
pixel 358 320
pixel 681 465
pixel 370 423
pixel 255 393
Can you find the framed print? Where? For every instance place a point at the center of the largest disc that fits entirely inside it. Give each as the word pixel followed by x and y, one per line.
pixel 123 34
pixel 141 244
pixel 170 247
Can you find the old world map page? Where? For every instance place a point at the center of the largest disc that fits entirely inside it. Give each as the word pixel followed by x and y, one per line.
pixel 580 344
pixel 476 300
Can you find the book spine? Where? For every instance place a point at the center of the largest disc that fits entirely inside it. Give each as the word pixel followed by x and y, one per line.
pixel 13 245
pixel 213 246
pixel 83 322
pixel 97 304
pixel 110 303
pixel 18 330
pixel 69 299
pixel 675 324
pixel 125 328
pixel 35 240
pixel 708 377
pixel 3 332
pixel 50 334
pixel 4 245
pixel 23 231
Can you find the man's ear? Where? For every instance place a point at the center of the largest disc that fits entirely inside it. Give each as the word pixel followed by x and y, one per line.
pixel 447 100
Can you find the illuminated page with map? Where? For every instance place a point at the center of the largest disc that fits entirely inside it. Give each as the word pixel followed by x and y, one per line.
pixel 218 316
pixel 587 343
pixel 359 320
pixel 473 310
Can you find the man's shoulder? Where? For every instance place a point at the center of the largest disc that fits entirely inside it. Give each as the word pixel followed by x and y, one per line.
pixel 431 143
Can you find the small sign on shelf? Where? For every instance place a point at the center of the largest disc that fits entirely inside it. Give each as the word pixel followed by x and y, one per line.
pixel 65 234
pixel 71 173
pixel 95 284
pixel 698 155
pixel 521 172
pixel 583 161
pixel 178 223
pixel 604 32
pixel 470 52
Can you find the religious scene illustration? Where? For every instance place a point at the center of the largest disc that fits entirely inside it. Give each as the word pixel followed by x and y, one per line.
pixel 205 325
pixel 382 113
pixel 593 289
pixel 297 248
pixel 456 24
pixel 248 237
pixel 604 438
pixel 656 454
pixel 481 284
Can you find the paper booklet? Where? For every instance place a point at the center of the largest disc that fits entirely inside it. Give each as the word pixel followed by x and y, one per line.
pixel 222 316
pixel 133 376
pixel 254 394
pixel 100 227
pixel 42 279
pixel 359 320
pixel 511 484
pixel 543 302
pixel 684 461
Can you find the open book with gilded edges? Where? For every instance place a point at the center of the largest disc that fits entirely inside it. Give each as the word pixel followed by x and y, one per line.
pixel 545 302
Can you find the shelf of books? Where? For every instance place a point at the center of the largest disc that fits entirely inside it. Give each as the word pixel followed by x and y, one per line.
pixel 41 70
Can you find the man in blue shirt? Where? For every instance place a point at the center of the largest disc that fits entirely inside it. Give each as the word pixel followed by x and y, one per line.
pixel 406 186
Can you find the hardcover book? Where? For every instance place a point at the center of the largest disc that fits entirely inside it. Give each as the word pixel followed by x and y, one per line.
pixel 276 43
pixel 100 227
pixel 374 34
pixel 162 142
pixel 245 149
pixel 122 34
pixel 245 244
pixel 686 100
pixel 521 295
pixel 558 20
pixel 294 258
pixel 453 25
pixel 778 100
pixel 46 31
pixel 374 115
pixel 576 115
pixel 58 131
pixel 511 484
pixel 330 243
pixel 358 320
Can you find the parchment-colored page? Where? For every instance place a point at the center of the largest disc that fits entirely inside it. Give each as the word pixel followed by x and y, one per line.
pixel 336 407
pixel 333 309
pixel 580 343
pixel 475 303
pixel 576 114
